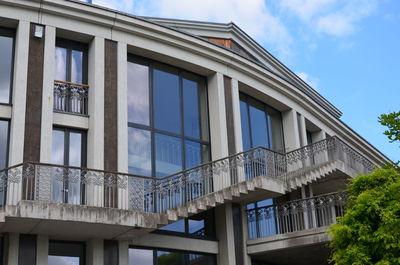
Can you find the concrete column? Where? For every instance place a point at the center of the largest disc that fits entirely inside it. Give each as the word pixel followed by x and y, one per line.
pixel 247 258
pixel 47 96
pixel 318 136
pixel 17 126
pixel 122 77
pixel 225 235
pixel 95 252
pixel 42 250
pixel 95 141
pixel 123 249
pixel 236 116
pixel 290 130
pixel 302 130
pixel 218 131
pixel 13 247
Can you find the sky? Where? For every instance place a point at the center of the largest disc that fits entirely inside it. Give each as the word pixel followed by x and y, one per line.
pixel 347 50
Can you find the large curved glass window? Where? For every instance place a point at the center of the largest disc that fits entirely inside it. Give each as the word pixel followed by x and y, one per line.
pixel 167 119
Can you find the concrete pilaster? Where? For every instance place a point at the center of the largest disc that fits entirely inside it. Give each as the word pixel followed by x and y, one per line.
pixel 123 255
pixel 13 247
pixel 95 141
pixel 47 96
pixel 245 229
pixel 95 252
pixel 291 130
pixel 236 116
pixel 218 131
pixel 42 250
pixel 122 56
pixel 225 235
pixel 302 130
pixel 17 128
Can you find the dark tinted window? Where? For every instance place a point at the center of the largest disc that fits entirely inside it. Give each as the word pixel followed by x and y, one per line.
pixel 6 64
pixel 71 253
pixel 161 257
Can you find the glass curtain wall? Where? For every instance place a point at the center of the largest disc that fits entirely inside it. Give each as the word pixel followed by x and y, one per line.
pixel 6 64
pixel 261 126
pixel 4 142
pixel 139 256
pixel 69 149
pixel 167 119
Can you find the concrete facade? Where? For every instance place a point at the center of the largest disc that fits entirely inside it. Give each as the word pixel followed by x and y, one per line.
pixel 31 211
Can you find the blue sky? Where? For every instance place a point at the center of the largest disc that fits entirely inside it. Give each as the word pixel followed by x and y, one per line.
pixel 348 50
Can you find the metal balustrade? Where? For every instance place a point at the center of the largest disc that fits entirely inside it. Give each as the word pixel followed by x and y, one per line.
pixel 62 184
pixel 298 215
pixel 70 97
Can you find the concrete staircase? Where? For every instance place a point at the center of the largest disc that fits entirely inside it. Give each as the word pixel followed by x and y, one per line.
pixel 259 188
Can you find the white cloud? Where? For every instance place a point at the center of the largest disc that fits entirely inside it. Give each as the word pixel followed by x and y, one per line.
pixel 332 17
pixel 311 81
pixel 121 5
pixel 307 9
pixel 253 16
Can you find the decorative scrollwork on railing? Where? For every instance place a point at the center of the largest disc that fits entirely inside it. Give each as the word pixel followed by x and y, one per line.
pixel 70 97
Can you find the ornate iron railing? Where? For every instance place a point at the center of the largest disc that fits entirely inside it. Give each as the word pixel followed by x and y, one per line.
pixel 70 97
pixel 292 216
pixel 85 186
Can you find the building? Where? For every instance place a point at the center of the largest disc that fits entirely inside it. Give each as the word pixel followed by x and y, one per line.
pixel 130 140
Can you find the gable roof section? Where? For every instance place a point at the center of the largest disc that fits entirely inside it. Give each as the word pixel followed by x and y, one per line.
pixel 256 53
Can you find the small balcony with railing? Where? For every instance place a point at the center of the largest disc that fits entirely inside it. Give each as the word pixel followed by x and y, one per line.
pixel 71 98
pixel 46 194
pixel 294 216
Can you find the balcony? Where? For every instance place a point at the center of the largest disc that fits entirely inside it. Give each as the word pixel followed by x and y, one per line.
pixel 293 216
pixel 70 97
pixel 53 191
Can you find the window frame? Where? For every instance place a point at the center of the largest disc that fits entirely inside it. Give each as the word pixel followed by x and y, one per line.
pixel 70 45
pixel 82 260
pixel 9 32
pixel 155 65
pixel 185 258
pixel 267 110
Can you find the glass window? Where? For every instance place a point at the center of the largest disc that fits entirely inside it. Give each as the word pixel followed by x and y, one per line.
pixel 261 125
pixel 191 109
pixel 4 143
pixel 162 257
pixel 140 256
pixel 139 145
pixel 66 253
pixel 69 149
pixel 4 136
pixel 166 105
pixel 6 64
pixel 71 61
pixel 168 155
pixel 167 119
pixel 138 94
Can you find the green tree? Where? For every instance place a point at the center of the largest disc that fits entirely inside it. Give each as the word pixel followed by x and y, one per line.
pixel 392 122
pixel 369 232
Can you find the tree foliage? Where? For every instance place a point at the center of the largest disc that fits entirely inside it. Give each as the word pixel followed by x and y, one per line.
pixel 392 122
pixel 369 232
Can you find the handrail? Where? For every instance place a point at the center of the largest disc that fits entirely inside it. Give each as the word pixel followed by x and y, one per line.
pixel 293 201
pixel 77 168
pixel 71 83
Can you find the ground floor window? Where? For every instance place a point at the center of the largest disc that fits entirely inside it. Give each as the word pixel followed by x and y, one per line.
pixel 66 253
pixel 139 256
